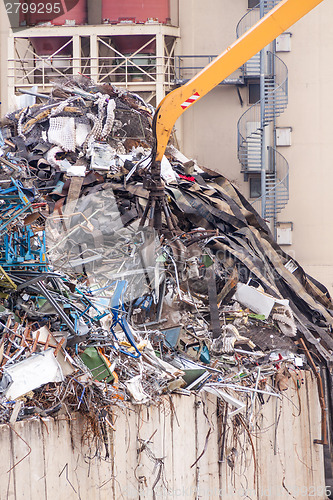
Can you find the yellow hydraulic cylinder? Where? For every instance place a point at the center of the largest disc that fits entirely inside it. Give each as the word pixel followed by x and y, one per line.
pixel 280 18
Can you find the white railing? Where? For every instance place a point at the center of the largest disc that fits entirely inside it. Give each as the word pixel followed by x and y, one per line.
pixel 187 66
pixel 126 70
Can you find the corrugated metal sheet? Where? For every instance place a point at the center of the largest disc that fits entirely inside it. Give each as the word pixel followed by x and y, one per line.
pixel 154 450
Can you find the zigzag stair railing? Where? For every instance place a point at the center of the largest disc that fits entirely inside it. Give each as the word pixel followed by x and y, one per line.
pixel 250 127
pixel 277 185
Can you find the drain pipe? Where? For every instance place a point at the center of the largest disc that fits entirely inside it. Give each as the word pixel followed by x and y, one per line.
pixel 274 150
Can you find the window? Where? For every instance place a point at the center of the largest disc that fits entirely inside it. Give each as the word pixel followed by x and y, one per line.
pixel 254 92
pixel 255 187
pixel 252 3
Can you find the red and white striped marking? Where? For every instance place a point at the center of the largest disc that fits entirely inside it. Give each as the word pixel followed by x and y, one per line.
pixel 190 100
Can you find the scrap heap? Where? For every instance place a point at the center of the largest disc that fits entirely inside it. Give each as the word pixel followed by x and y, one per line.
pixel 98 311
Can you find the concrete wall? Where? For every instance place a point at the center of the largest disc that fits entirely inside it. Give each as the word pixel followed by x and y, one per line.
pixel 46 459
pixel 309 113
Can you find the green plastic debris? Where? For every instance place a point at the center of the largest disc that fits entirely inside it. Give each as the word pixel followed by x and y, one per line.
pixel 257 316
pixel 191 375
pixel 96 364
pixel 207 261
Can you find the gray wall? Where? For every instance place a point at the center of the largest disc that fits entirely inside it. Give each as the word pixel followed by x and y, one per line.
pixel 46 459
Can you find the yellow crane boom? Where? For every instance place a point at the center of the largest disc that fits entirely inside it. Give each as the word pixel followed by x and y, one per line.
pixel 278 20
pixel 275 22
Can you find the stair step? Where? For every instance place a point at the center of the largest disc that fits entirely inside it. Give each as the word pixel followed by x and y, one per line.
pixel 279 202
pixel 275 101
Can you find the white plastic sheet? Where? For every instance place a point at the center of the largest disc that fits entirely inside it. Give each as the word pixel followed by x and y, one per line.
pixel 258 302
pixel 33 372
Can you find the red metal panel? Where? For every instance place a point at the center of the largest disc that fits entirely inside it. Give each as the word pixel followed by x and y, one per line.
pixel 48 46
pixel 138 11
pixel 55 11
pixel 130 44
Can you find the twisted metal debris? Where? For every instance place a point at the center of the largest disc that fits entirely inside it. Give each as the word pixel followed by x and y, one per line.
pixel 127 314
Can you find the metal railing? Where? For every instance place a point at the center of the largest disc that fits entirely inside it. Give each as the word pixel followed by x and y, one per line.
pixel 276 185
pixel 253 15
pixel 250 126
pixel 252 67
pixel 276 87
pixel 119 70
pixel 187 66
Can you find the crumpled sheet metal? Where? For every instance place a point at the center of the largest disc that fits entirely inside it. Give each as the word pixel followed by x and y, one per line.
pixel 111 286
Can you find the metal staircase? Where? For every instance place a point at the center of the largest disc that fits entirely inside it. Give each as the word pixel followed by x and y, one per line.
pixel 277 184
pixel 250 127
pixel 253 157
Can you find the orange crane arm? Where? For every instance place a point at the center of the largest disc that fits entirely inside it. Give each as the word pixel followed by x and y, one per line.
pixel 280 18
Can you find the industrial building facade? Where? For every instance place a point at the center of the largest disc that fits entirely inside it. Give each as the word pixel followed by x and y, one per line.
pixel 266 128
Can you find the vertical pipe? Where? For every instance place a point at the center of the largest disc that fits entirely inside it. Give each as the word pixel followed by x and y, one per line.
pixel 274 160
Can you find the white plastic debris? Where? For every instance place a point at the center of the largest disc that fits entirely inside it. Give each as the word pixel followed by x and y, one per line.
pixel 134 387
pixel 258 302
pixel 32 373
pixel 52 159
pixel 76 170
pixel 62 132
pixel 64 165
pixel 167 172
pixel 298 361
pixel 101 156
pixel 178 155
pixel 67 364
pixel 236 403
pixel 25 100
pixel 81 132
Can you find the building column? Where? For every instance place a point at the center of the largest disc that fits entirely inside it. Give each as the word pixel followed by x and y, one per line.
pixel 94 57
pixel 160 67
pixel 76 40
pixel 10 75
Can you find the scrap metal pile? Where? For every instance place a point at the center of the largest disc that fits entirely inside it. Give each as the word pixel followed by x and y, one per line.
pixel 98 311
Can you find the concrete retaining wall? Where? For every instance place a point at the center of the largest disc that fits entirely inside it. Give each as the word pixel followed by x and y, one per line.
pixel 154 453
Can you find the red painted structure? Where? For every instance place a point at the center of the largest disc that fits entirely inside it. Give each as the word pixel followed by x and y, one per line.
pixel 138 11
pixel 130 44
pixel 72 11
pixel 48 46
pixel 56 12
